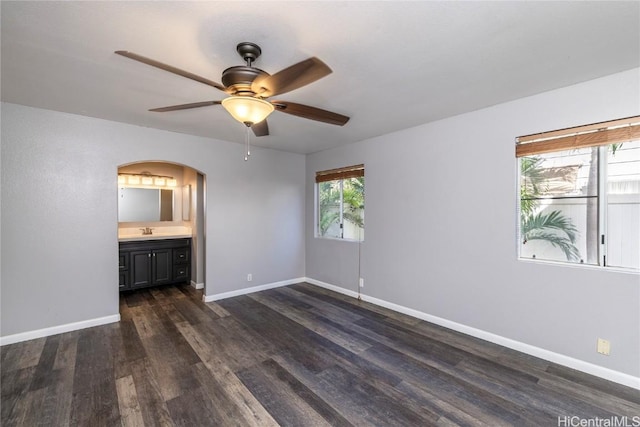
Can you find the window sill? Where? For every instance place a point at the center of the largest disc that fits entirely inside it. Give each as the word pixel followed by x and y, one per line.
pixel 583 266
pixel 338 239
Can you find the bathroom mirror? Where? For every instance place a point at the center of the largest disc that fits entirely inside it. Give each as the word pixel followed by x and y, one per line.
pixel 144 204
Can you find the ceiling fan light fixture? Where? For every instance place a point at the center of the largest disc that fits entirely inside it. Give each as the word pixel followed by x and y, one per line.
pixel 247 109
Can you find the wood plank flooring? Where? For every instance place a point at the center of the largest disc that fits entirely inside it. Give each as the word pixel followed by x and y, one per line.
pixel 293 356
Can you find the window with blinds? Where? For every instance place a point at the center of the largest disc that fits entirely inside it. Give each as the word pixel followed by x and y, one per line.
pixel 340 203
pixel 580 194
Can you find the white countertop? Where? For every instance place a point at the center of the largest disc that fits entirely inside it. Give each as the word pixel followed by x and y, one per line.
pixel 154 236
pixel 158 233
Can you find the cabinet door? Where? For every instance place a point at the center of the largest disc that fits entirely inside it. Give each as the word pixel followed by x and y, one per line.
pixel 123 270
pixel 140 269
pixel 161 272
pixel 123 280
pixel 123 260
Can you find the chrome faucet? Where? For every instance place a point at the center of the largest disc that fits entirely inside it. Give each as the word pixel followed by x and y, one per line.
pixel 146 231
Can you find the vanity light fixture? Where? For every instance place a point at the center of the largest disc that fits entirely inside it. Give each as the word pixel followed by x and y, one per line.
pixel 133 180
pixel 146 179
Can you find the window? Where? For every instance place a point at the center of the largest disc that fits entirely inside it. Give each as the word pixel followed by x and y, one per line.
pixel 580 195
pixel 340 203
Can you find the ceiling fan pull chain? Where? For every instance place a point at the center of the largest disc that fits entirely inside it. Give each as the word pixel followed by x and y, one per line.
pixel 246 156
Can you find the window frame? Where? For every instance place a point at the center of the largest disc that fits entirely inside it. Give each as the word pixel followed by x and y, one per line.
pixel 338 174
pixel 600 135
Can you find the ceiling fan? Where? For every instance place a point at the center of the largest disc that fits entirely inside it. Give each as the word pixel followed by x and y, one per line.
pixel 249 87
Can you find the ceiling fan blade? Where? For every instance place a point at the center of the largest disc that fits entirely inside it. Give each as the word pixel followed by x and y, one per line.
pixel 312 113
pixel 185 106
pixel 293 77
pixel 170 69
pixel 261 128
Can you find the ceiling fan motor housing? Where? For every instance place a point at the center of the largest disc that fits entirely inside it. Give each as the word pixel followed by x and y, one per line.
pixel 238 79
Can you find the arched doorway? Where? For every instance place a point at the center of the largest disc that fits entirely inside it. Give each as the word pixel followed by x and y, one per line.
pixel 161 200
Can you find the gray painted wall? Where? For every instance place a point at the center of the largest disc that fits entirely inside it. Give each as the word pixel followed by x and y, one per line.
pixel 59 213
pixel 441 229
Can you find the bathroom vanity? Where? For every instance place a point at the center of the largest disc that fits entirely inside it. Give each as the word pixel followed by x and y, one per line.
pixel 153 262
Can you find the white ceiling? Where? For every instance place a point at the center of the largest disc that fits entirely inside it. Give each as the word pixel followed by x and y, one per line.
pixel 395 64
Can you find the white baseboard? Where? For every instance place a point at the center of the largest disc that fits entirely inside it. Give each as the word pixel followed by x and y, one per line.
pixel 589 368
pixel 54 330
pixel 560 359
pixel 216 297
pixel 335 288
pixel 197 285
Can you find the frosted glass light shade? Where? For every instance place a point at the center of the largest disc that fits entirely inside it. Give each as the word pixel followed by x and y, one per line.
pixel 247 109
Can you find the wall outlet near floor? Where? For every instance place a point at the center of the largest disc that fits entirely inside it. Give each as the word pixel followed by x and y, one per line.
pixel 604 347
pixel 361 283
pixel 249 277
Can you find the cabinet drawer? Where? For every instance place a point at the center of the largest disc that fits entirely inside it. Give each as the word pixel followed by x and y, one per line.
pixel 181 255
pixel 181 272
pixel 123 260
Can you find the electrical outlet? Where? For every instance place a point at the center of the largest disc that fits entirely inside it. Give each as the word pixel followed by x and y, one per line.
pixel 249 277
pixel 604 347
pixel 361 282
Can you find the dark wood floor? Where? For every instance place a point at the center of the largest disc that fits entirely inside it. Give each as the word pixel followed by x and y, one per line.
pixel 298 356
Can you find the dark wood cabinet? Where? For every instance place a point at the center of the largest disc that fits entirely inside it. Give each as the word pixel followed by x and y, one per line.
pixel 123 266
pixel 161 267
pixel 146 263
